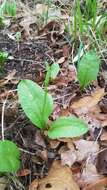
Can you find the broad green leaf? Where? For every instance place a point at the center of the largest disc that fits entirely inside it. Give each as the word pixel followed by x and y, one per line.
pixel 67 127
pixel 10 7
pixel 54 70
pixel 88 68
pixel 9 156
pixel 36 104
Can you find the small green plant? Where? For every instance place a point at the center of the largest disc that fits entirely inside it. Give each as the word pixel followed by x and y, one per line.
pixel 3 58
pixel 83 17
pixel 36 103
pixel 9 156
pixel 88 68
pixel 38 106
pixel 18 37
pixel 52 71
pixel 45 15
pixel 1 22
pixel 78 20
pixel 90 11
pixel 9 7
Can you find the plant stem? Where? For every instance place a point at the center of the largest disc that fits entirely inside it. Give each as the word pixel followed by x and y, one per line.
pixel 46 83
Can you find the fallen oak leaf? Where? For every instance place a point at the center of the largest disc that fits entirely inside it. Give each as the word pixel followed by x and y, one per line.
pixel 59 178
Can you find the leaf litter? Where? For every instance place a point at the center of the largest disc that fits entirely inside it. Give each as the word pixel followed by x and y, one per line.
pixel 85 157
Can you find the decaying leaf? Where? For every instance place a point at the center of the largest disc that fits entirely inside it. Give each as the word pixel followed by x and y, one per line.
pixel 89 174
pixel 27 21
pixel 59 178
pixel 86 103
pixel 86 148
pixel 23 172
pixel 68 158
pixel 28 17
pixel 83 150
pixel 54 143
pixel 99 184
pixel 102 161
pixel 41 9
pixel 103 136
pixel 9 77
pixel 39 140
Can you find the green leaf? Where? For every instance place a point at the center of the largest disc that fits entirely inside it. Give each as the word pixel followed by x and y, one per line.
pixel 88 68
pixel 54 70
pixel 67 127
pixel 10 7
pixel 3 57
pixel 9 156
pixel 36 103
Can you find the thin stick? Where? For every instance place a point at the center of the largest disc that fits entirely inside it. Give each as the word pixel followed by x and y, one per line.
pixel 2 119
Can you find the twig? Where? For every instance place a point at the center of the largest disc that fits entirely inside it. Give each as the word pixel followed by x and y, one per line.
pixel 26 151
pixel 2 119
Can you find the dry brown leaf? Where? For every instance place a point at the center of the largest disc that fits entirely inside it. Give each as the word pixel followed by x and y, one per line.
pixel 103 136
pixel 44 155
pixel 9 77
pixel 89 175
pixel 27 21
pixel 84 149
pixel 65 51
pixel 100 184
pixel 102 161
pixel 39 140
pixel 85 104
pixel 28 17
pixel 61 60
pixel 100 117
pixel 68 158
pixel 54 143
pixel 41 9
pixel 59 178
pixel 23 172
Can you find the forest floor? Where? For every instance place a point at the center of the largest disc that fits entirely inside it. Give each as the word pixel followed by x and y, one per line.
pixel 46 39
